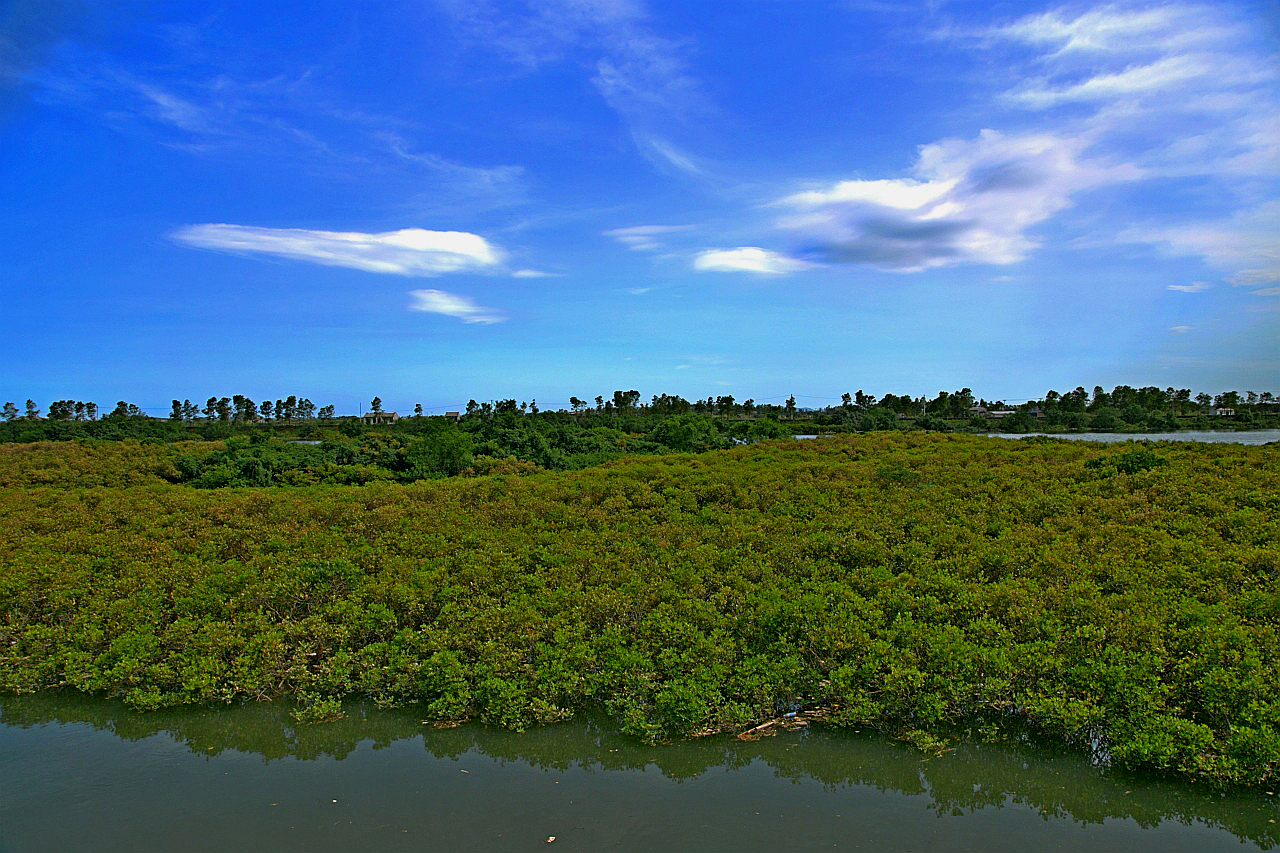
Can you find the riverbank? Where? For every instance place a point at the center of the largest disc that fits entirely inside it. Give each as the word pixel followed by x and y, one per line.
pixel 1122 600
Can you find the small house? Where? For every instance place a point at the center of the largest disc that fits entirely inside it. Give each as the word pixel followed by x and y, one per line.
pixel 380 418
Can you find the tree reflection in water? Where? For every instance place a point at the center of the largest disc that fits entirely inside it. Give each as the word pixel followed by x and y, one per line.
pixel 1053 780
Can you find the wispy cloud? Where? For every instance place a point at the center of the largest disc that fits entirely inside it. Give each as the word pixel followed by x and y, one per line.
pixel 747 259
pixel 1180 330
pixel 645 238
pixel 294 118
pixel 452 305
pixel 1193 287
pixel 409 251
pixel 643 76
pixel 1246 242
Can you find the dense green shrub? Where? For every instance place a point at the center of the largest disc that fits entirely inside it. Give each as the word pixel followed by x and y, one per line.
pixel 903 580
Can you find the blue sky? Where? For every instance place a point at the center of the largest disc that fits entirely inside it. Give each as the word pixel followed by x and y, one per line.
pixel 438 201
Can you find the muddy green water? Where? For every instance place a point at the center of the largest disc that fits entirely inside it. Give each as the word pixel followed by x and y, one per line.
pixel 84 774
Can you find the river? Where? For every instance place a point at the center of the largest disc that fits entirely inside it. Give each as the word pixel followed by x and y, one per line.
pixel 1245 436
pixel 78 773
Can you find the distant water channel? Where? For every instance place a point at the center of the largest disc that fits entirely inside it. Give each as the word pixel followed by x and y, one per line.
pixel 85 774
pixel 1249 436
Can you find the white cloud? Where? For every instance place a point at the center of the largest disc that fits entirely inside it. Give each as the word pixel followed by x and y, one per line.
pixel 452 305
pixel 533 274
pixel 1145 79
pixel 1180 330
pixel 409 251
pixel 644 238
pixel 1267 291
pixel 1171 92
pixel 747 259
pixel 971 201
pixel 1245 243
pixel 903 194
pixel 1193 287
pixel 663 154
pixel 1111 29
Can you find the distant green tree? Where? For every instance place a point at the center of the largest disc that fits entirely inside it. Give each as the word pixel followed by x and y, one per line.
pixel 442 451
pixel 689 433
pixel 33 411
pixel 417 410
pixel 266 410
pixel 244 410
pixel 376 405
pixel 325 413
pixel 790 407
pixel 1104 420
pixel 175 412
pixel 668 404
pixel 125 410
pixel 625 400
pixel 10 411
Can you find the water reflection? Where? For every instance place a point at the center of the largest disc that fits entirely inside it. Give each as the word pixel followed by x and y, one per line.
pixel 974 778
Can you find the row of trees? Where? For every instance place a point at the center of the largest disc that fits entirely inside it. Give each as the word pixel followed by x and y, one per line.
pixel 673 404
pixel 70 410
pixel 239 409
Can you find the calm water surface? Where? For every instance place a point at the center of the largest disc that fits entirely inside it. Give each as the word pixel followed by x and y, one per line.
pixel 85 774
pixel 1250 436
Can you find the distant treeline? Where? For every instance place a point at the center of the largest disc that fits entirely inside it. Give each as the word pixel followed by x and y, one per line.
pixel 1123 408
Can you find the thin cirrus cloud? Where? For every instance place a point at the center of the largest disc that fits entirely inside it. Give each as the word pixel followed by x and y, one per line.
pixel 453 305
pixel 1193 287
pixel 642 76
pixel 409 251
pixel 644 238
pixel 747 259
pixel 1246 242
